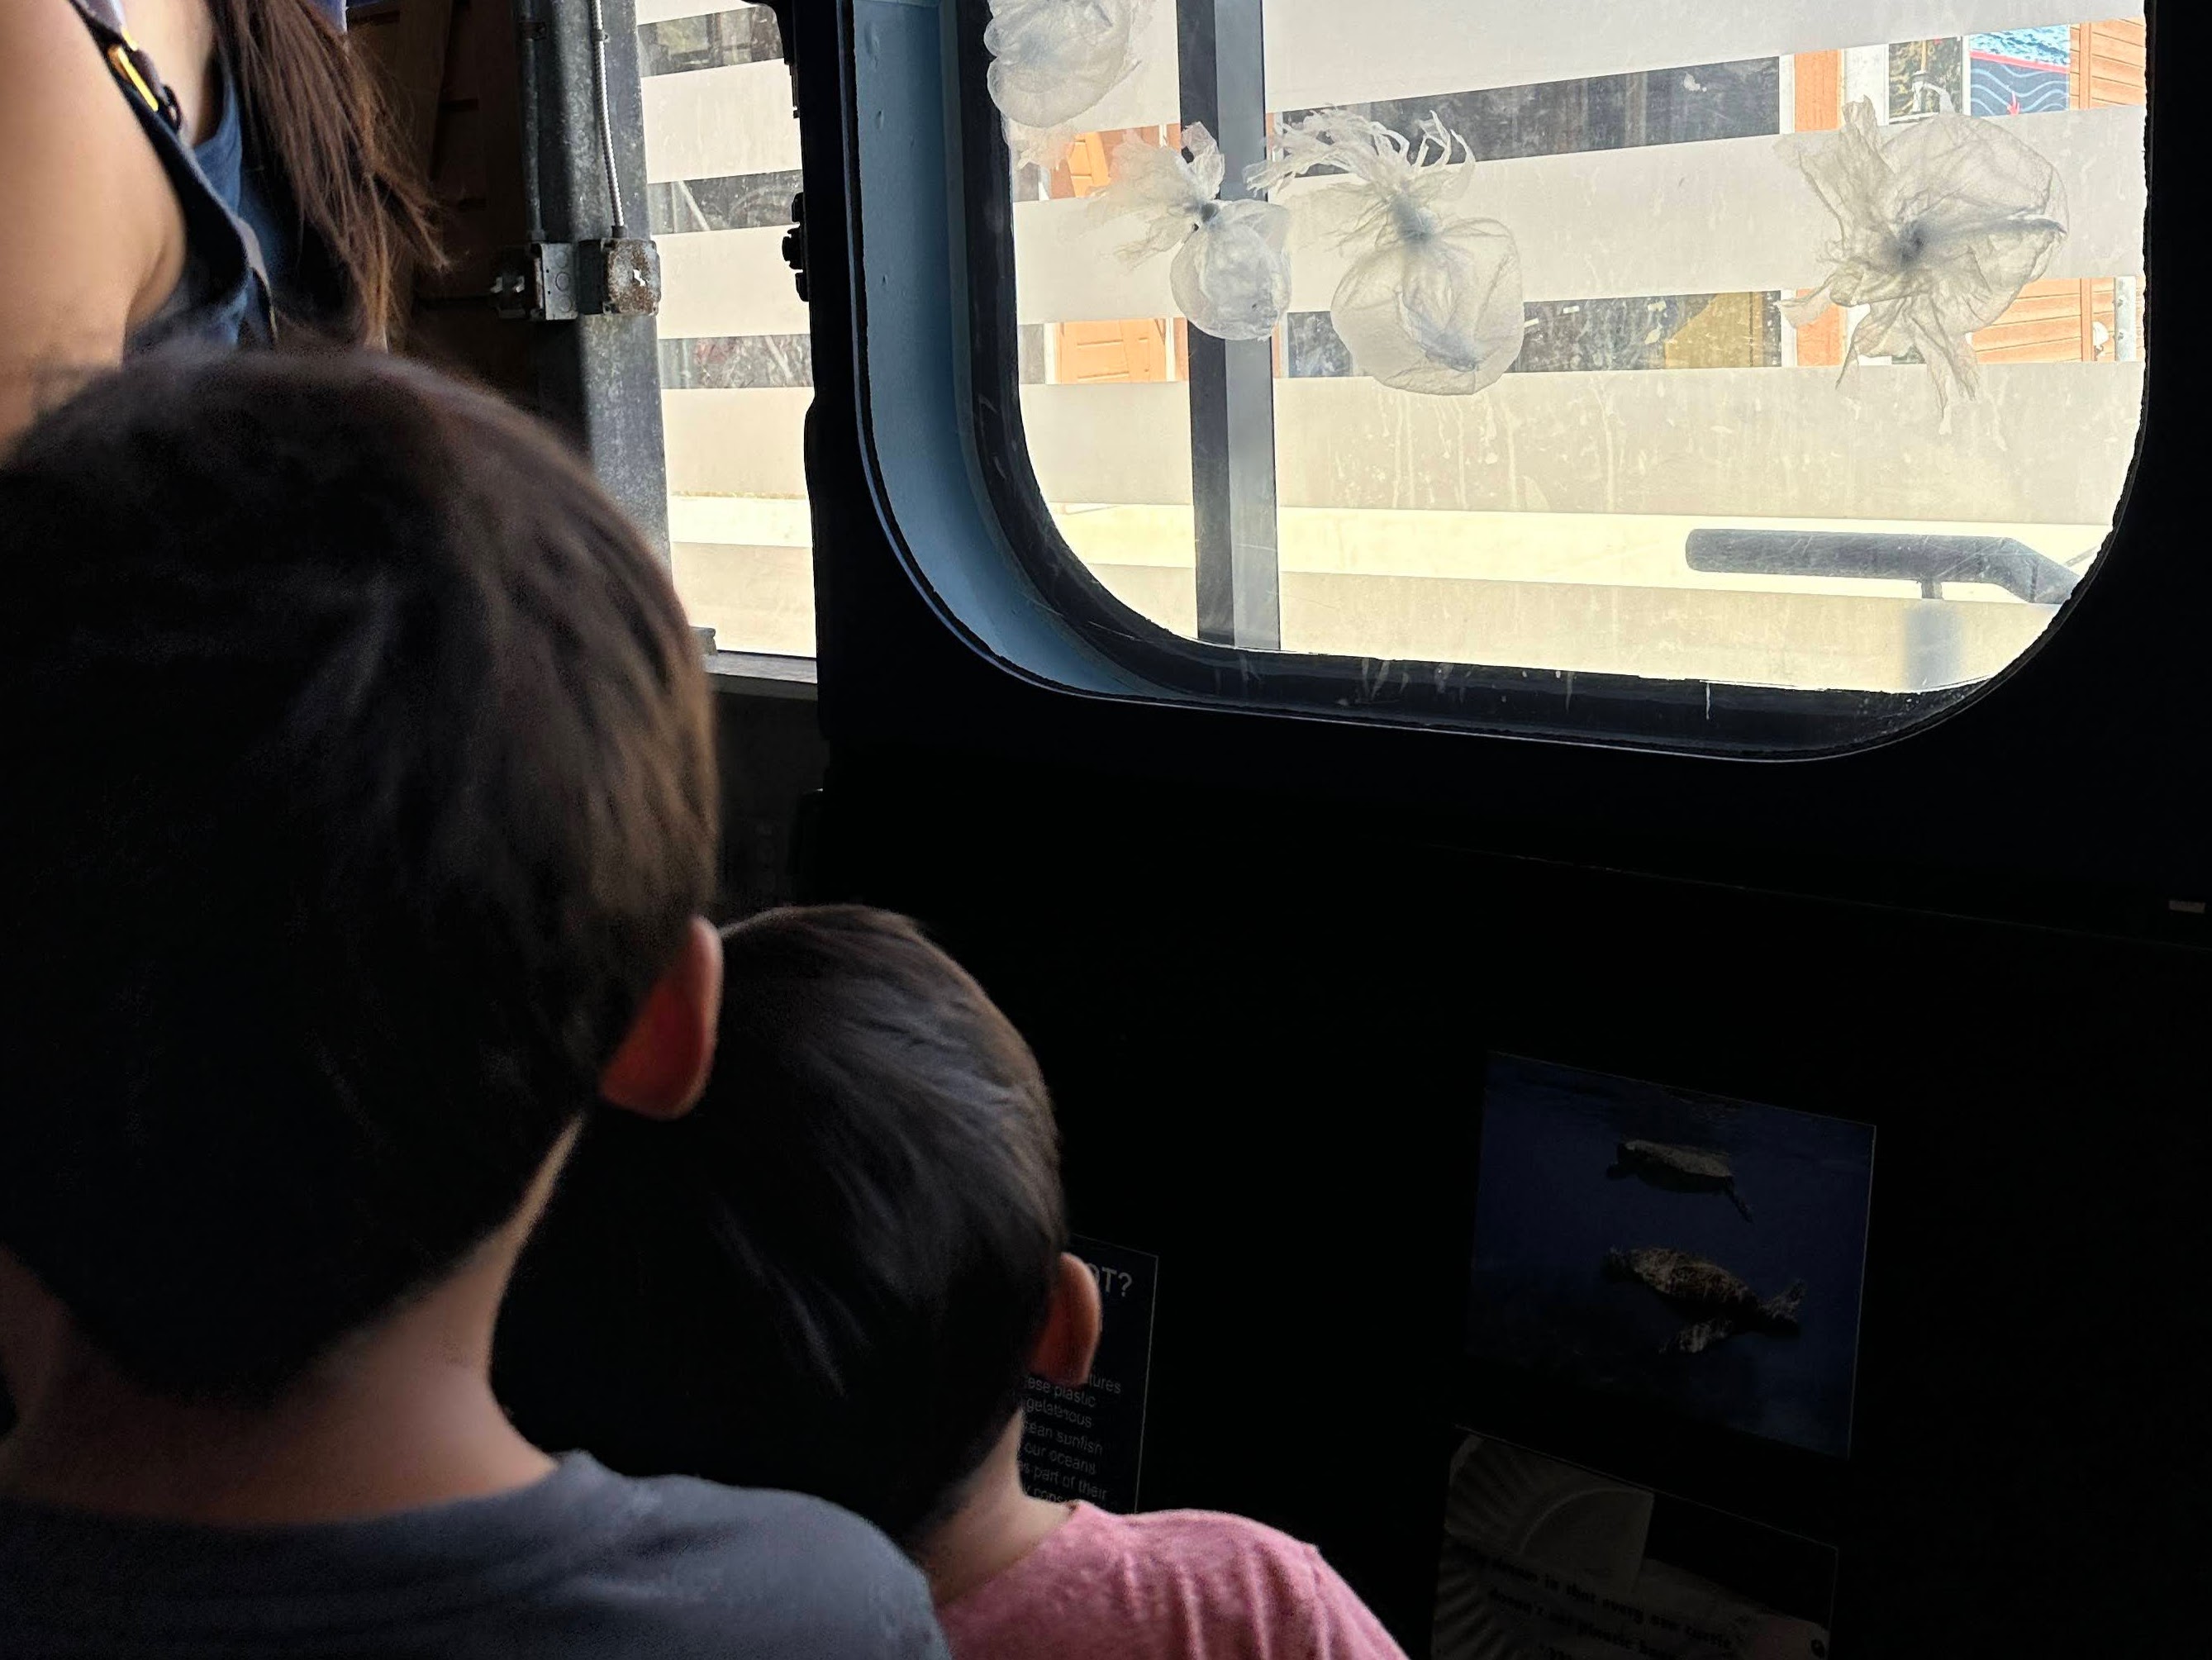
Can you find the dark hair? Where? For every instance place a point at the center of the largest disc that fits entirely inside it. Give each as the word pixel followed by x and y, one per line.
pixel 359 788
pixel 831 1276
pixel 315 109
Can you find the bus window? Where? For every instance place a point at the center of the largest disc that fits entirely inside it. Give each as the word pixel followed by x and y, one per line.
pixel 1734 348
pixel 736 369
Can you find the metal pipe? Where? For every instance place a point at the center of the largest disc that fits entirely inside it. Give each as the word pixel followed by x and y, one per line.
pixel 1932 560
pixel 530 28
pixel 606 118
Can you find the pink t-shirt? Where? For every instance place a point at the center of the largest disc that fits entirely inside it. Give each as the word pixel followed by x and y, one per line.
pixel 1171 1585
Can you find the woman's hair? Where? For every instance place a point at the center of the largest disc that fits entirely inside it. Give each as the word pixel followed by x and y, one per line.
pixel 313 106
pixel 831 1275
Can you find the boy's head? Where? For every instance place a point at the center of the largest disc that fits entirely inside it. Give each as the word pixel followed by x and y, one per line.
pixel 835 1275
pixel 359 804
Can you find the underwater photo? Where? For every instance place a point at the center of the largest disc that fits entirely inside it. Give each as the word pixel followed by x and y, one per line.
pixel 1702 1253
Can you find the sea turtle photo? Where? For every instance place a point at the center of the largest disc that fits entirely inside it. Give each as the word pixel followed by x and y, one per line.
pixel 1678 1170
pixel 1693 1287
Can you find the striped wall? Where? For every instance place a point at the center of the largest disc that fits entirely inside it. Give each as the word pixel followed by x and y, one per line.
pixel 736 364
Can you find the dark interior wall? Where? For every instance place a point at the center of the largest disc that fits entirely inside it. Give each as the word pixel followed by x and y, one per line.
pixel 772 757
pixel 1265 1025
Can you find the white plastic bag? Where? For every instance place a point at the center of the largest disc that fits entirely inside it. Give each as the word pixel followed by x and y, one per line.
pixel 1052 60
pixel 1942 221
pixel 1231 271
pixel 1433 303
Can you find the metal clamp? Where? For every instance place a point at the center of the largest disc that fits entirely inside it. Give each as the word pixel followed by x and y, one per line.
pixel 794 245
pixel 535 283
pixel 560 282
pixel 629 272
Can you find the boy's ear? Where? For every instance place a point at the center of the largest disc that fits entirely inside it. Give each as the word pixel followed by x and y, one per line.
pixel 661 1067
pixel 1069 1342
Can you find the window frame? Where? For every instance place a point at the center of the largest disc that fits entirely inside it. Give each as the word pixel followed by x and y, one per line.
pixel 1722 718
pixel 2076 797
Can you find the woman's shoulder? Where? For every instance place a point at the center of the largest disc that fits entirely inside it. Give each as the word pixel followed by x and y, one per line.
pixel 48 57
pixel 93 220
pixel 45 47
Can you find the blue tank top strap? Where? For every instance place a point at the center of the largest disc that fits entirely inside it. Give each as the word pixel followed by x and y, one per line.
pixel 223 296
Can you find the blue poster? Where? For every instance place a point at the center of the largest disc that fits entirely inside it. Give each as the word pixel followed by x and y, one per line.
pixel 1702 1253
pixel 2019 71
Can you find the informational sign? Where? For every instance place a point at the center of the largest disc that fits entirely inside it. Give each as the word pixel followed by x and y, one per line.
pixel 1544 1560
pixel 1089 1443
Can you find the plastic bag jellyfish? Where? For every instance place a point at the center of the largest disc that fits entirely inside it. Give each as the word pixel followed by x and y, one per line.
pixel 1052 59
pixel 1231 271
pixel 1943 222
pixel 1433 303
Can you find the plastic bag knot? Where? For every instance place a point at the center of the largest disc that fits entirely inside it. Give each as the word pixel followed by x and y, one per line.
pixel 1231 272
pixel 1432 303
pixel 1052 60
pixel 1940 223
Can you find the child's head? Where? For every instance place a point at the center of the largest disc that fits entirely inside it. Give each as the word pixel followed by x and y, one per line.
pixel 835 1275
pixel 358 808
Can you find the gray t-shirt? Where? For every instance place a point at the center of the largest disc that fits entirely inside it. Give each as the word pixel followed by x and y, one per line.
pixel 583 1563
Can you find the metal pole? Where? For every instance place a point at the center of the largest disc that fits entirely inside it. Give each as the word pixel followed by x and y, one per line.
pixel 1232 382
pixel 600 373
pixel 529 33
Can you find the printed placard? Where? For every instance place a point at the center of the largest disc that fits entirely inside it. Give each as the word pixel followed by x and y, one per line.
pixel 1089 1443
pixel 1542 1559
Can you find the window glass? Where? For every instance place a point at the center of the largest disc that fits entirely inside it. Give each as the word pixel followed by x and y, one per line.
pixel 1546 375
pixel 736 373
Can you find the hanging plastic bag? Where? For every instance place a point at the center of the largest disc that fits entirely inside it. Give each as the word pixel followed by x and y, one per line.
pixel 1942 221
pixel 1052 60
pixel 1042 148
pixel 1231 271
pixel 1432 303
